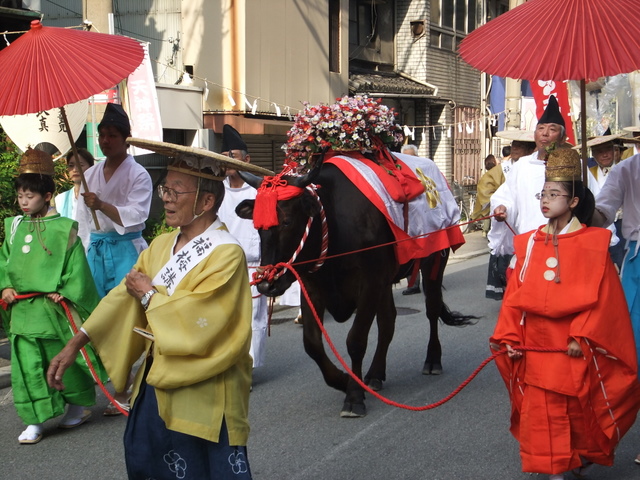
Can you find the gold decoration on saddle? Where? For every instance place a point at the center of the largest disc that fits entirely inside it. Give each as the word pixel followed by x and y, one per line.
pixel 430 188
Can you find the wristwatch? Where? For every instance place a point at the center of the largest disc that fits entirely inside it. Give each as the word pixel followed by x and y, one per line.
pixel 146 298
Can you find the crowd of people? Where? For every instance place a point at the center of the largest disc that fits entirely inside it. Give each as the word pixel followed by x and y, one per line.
pixel 184 304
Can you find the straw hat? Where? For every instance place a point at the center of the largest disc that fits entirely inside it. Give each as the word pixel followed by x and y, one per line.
pixel 600 140
pixel 517 135
pixel 197 161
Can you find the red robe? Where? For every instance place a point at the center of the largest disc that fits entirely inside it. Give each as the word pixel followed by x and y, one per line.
pixel 563 407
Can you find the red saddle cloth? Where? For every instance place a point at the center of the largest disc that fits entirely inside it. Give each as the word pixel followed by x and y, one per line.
pixel 397 178
pixel 407 247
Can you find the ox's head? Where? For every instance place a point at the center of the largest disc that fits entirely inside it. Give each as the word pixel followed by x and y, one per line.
pixel 279 242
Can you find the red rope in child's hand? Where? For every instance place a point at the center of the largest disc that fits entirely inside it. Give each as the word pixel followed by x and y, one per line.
pixel 83 351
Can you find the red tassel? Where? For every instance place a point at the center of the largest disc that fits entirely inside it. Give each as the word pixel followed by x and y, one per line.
pixel 265 214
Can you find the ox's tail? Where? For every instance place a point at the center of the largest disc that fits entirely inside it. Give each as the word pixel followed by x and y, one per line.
pixel 456 319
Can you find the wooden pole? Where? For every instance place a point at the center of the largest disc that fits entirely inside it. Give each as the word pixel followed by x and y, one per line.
pixel 583 127
pixel 75 154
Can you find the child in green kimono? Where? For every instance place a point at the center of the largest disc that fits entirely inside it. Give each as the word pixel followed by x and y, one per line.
pixel 42 254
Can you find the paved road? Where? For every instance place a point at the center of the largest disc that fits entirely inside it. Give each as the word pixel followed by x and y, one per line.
pixel 296 429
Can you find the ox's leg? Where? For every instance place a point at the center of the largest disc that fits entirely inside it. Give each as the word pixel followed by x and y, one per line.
pixel 357 347
pixel 386 320
pixel 314 346
pixel 432 269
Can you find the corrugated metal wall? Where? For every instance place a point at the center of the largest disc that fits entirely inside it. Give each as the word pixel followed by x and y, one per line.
pixel 159 23
pixel 266 151
pixel 61 14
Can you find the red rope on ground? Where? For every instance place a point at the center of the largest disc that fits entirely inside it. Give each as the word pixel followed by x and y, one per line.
pixel 392 402
pixel 83 351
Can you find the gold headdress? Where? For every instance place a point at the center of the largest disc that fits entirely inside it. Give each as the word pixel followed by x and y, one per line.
pixel 563 165
pixel 36 161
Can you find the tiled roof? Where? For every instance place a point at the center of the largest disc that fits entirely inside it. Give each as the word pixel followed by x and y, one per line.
pixel 383 82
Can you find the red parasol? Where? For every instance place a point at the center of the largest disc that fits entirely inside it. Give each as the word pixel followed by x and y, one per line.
pixel 559 40
pixel 49 67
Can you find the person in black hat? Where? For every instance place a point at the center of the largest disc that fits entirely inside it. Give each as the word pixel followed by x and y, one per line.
pixel 606 151
pixel 236 190
pixel 119 191
pixel 515 201
pixel 511 201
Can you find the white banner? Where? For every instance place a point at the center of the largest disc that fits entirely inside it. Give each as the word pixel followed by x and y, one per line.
pixel 46 127
pixel 142 104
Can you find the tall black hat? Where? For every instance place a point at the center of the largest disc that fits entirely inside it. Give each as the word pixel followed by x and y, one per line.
pixel 552 113
pixel 231 139
pixel 114 115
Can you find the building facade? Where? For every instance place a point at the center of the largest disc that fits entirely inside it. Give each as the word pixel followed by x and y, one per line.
pixel 252 63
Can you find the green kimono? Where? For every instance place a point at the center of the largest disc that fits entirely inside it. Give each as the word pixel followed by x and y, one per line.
pixel 45 255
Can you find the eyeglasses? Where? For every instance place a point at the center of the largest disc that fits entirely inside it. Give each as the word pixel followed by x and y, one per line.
pixel 551 196
pixel 171 193
pixel 236 155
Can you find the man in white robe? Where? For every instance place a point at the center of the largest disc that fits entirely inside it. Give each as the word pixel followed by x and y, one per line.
pixel 514 203
pixel 236 190
pixel 120 192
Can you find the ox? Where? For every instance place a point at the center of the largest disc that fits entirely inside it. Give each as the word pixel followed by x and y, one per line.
pixel 360 282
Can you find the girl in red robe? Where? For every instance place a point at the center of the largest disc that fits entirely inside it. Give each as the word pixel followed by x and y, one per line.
pixel 571 408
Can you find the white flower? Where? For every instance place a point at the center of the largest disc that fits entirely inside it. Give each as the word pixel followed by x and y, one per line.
pixel 202 322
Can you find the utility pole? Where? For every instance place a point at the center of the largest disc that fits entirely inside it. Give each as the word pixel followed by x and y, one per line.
pixel 513 90
pixel 98 13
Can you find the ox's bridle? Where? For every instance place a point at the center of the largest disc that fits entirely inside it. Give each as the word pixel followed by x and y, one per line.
pixel 324 247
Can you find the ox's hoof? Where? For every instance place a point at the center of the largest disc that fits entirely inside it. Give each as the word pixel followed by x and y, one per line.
pixel 432 369
pixel 375 384
pixel 353 410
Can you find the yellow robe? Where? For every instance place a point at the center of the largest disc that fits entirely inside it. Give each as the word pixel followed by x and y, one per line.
pixel 201 369
pixel 488 184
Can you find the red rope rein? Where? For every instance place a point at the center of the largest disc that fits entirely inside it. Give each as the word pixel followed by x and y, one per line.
pixel 393 403
pixel 83 351
pixel 269 273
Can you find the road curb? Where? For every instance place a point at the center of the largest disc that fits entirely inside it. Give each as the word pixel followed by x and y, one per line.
pixel 5 377
pixel 467 256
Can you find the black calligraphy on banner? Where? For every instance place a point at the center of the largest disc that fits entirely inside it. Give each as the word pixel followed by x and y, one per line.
pixel 61 126
pixel 42 118
pixel 184 259
pixel 202 245
pixel 168 277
